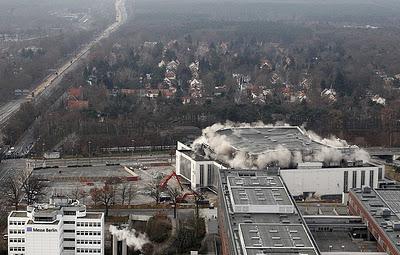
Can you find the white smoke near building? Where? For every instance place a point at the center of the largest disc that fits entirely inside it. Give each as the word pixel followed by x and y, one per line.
pixel 133 238
pixel 280 154
pixel 332 141
pixel 220 148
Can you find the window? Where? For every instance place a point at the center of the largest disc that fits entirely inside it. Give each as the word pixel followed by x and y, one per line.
pixel 346 181
pixel 209 175
pixel 371 178
pixel 380 173
pixel 354 184
pixel 201 175
pixel 69 213
pixel 362 178
pixel 69 239
pixel 69 222
pixel 69 231
pixel 69 248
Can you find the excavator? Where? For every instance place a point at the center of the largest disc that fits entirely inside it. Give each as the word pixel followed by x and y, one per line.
pixel 164 182
pixel 199 198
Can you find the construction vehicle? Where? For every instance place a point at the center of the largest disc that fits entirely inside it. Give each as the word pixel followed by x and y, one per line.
pixel 165 180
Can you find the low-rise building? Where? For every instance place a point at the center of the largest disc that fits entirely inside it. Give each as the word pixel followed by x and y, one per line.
pixel 380 210
pixel 257 215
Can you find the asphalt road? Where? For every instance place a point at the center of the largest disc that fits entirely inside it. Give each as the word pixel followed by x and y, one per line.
pixel 46 86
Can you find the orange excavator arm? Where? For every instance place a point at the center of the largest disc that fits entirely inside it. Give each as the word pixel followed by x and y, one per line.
pixel 165 180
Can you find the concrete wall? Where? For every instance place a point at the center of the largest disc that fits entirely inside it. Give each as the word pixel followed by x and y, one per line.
pixel 384 243
pixel 326 181
pixel 195 171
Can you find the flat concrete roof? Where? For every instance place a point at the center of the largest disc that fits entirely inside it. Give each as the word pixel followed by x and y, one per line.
pixel 258 140
pixel 391 198
pixel 263 232
pixel 255 181
pixel 275 235
pixel 92 215
pixel 375 201
pixel 260 196
pixel 18 214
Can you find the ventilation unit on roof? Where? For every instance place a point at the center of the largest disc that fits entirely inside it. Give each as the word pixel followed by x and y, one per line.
pixel 396 225
pixel 366 189
pixel 384 212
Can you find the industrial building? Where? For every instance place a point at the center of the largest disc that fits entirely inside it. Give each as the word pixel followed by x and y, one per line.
pixel 257 215
pixel 380 210
pixel 309 165
pixel 61 227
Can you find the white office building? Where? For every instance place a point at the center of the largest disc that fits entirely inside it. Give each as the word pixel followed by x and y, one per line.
pixel 61 227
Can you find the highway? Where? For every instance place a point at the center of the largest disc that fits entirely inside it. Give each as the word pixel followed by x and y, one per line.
pixel 45 87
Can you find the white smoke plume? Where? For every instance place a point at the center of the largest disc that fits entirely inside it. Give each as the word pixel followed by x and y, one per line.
pixel 221 149
pixel 280 154
pixel 133 238
pixel 332 141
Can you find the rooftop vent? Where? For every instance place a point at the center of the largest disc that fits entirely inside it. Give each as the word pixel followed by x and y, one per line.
pixel 366 189
pixel 384 212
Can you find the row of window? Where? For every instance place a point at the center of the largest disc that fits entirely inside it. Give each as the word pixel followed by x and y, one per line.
pixel 17 240
pixel 17 248
pixel 88 233
pixel 20 223
pixel 17 231
pixel 69 222
pixel 362 180
pixel 88 241
pixel 87 250
pixel 88 224
pixel 210 172
pixel 69 239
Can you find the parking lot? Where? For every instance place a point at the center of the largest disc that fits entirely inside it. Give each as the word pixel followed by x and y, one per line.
pixel 130 177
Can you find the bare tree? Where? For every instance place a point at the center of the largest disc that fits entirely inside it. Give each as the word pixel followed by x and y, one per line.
pixel 154 190
pixel 174 193
pixel 107 194
pixel 12 190
pixel 78 193
pixel 131 193
pixel 127 192
pixel 95 195
pixel 33 189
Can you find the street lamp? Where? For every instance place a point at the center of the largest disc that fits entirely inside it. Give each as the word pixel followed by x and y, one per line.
pixel 133 145
pixel 89 143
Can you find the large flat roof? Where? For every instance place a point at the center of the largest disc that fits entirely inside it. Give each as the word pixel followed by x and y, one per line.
pixel 271 236
pixel 377 200
pixel 256 140
pixel 264 231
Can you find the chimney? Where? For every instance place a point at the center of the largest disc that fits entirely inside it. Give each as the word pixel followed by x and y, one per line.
pixel 119 247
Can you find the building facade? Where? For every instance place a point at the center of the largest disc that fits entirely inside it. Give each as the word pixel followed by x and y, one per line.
pixel 380 210
pixel 61 227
